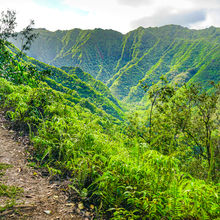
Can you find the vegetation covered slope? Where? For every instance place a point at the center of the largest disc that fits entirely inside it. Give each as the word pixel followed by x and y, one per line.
pixel 109 165
pixel 145 54
pixel 91 93
pixel 162 167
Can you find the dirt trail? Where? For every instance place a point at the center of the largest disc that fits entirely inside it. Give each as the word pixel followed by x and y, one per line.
pixel 40 199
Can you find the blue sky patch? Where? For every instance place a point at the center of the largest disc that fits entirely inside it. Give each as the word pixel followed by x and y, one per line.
pixel 58 4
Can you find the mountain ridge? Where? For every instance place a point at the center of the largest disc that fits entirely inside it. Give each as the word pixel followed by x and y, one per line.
pixel 121 61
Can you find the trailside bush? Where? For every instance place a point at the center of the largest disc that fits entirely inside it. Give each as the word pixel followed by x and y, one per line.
pixel 124 182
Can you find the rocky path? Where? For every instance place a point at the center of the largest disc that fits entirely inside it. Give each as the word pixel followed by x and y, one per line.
pixel 40 199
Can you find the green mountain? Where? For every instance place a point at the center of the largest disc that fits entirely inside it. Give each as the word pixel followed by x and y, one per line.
pixel 162 166
pixel 94 96
pixel 122 61
pixel 76 86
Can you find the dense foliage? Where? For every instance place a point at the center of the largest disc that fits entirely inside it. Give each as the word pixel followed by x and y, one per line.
pixel 96 96
pixel 163 166
pixel 93 92
pixel 117 172
pixel 111 167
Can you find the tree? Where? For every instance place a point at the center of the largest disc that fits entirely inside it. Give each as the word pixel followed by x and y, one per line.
pixel 7 25
pixel 27 36
pixel 185 120
pixel 12 67
pixel 205 120
pixel 7 30
pixel 158 93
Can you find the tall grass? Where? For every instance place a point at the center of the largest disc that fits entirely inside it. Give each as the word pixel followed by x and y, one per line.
pixel 123 179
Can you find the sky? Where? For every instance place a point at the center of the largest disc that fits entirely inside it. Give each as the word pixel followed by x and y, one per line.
pixel 120 15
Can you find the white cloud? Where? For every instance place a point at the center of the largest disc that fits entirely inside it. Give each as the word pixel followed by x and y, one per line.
pixel 134 3
pixel 50 18
pixel 107 14
pixel 212 19
pixel 165 17
pixel 119 15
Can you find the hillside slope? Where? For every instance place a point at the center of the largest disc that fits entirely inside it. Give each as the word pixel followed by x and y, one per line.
pixel 121 61
pixel 163 166
pixel 94 96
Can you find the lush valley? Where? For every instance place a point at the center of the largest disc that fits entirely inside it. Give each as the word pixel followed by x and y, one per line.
pixel 77 85
pixel 80 86
pixel 164 165
pixel 122 61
